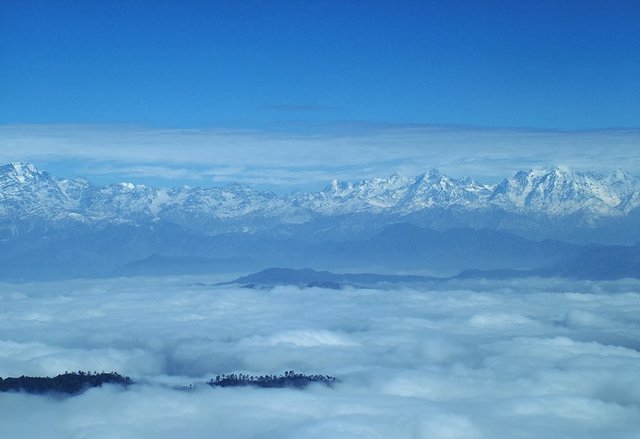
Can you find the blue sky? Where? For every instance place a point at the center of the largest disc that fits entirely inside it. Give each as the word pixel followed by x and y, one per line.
pixel 314 67
pixel 546 64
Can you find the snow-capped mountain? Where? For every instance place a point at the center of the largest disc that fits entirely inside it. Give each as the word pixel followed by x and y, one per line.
pixel 560 191
pixel 552 192
pixel 29 195
pixel 401 195
pixel 27 192
pixel 52 227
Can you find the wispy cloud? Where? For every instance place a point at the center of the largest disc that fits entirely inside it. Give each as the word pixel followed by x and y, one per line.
pixel 294 159
pixel 298 108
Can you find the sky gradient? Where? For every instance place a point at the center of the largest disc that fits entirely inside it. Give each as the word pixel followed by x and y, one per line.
pixel 543 64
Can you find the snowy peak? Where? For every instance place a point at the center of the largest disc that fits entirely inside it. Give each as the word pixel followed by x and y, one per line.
pixel 27 193
pixel 404 194
pixel 21 172
pixel 561 191
pixel 436 189
pixel 19 168
pixel 431 175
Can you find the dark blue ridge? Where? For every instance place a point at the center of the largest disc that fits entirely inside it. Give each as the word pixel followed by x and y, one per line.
pixel 75 383
pixel 288 379
pixel 68 383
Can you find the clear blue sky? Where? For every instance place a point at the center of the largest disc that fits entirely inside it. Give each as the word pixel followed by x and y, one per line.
pixel 257 64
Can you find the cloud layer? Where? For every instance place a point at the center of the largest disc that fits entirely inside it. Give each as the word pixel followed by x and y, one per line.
pixel 542 358
pixel 292 157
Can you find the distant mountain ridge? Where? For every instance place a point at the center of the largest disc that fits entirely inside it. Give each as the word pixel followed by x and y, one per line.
pixel 596 265
pixel 58 228
pixel 31 198
pixel 308 278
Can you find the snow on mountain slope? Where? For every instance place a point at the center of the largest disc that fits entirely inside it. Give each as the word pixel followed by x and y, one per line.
pixel 396 193
pixel 560 191
pixel 27 193
pixel 434 189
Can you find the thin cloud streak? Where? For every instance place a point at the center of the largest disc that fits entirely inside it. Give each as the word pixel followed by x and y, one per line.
pixel 300 108
pixel 286 159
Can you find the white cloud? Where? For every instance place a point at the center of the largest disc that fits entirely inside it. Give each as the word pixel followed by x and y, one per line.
pixel 289 159
pixel 539 358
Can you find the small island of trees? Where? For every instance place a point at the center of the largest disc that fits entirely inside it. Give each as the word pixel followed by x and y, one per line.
pixel 74 383
pixel 68 383
pixel 288 379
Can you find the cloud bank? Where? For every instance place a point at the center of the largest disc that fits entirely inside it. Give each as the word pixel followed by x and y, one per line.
pixel 537 358
pixel 290 158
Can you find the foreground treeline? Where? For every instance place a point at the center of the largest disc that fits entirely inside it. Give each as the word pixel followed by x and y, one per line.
pixel 69 383
pixel 288 379
pixel 73 383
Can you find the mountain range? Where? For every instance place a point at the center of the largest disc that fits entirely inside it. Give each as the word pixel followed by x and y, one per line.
pixel 28 195
pixel 57 227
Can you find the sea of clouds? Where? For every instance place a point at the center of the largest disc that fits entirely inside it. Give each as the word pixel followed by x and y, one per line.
pixel 525 359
